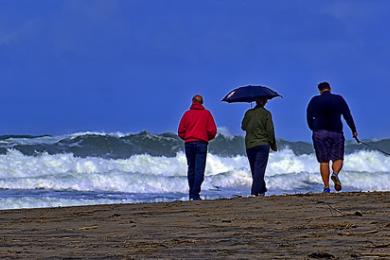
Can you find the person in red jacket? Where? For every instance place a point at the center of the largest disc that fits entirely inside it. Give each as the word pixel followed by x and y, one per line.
pixel 197 127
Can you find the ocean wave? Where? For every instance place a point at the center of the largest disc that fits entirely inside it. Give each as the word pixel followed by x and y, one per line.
pixel 123 145
pixel 363 170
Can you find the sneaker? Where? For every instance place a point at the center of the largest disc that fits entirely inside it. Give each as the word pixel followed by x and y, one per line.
pixel 326 190
pixel 257 195
pixel 337 182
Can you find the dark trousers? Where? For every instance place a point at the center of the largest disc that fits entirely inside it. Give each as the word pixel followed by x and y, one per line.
pixel 196 153
pixel 258 159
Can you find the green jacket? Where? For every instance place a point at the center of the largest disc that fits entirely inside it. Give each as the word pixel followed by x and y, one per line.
pixel 259 128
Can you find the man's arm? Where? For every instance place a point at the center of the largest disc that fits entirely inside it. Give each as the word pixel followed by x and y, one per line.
pixel 348 117
pixel 182 127
pixel 310 115
pixel 211 128
pixel 244 123
pixel 271 132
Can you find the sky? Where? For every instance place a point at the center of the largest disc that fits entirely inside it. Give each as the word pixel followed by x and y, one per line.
pixel 131 65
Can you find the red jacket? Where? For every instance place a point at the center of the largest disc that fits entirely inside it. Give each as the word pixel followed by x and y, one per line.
pixel 197 124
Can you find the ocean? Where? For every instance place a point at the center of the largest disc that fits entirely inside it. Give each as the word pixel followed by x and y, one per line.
pixel 98 168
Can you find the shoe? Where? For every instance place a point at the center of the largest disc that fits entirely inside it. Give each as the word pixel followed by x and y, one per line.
pixel 326 190
pixel 337 182
pixel 196 198
pixel 257 195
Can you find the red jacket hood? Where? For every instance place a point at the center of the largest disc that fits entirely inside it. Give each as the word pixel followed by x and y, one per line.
pixel 197 106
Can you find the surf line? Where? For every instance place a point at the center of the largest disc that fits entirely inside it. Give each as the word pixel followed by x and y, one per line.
pixel 370 146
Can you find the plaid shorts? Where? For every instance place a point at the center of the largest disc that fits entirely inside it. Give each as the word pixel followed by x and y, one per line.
pixel 329 146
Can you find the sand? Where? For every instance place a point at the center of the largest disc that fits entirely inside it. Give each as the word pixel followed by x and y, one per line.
pixel 313 226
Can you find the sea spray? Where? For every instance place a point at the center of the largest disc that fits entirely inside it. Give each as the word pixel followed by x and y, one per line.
pixel 158 174
pixel 67 170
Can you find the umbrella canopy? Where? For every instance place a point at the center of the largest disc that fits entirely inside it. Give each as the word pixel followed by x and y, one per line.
pixel 249 94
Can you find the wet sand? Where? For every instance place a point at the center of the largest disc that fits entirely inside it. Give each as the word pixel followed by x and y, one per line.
pixel 316 226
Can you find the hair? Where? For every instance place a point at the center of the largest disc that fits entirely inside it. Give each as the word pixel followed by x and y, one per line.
pixel 323 85
pixel 261 101
pixel 197 99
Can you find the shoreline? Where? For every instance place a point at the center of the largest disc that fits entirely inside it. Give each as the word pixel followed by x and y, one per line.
pixel 185 199
pixel 302 226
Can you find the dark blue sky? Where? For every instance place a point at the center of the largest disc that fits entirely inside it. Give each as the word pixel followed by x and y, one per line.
pixel 131 65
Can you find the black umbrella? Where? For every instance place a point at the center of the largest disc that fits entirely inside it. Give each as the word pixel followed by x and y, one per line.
pixel 249 94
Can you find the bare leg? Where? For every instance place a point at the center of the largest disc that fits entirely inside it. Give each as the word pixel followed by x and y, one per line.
pixel 337 166
pixel 325 172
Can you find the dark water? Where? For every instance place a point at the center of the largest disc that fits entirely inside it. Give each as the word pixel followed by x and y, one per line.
pixel 167 144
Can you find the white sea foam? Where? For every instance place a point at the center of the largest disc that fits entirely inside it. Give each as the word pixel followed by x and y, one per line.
pixel 53 201
pixel 49 202
pixel 153 179
pixel 10 142
pixel 54 139
pixel 222 130
pixel 112 134
pixel 147 174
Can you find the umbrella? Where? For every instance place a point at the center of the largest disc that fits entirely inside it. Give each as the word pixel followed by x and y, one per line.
pixel 249 94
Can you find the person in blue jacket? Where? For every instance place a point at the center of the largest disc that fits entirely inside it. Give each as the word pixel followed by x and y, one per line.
pixel 324 119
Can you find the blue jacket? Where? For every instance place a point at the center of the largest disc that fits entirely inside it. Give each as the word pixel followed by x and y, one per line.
pixel 324 113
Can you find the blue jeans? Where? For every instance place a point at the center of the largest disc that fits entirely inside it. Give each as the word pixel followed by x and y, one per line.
pixel 196 153
pixel 258 159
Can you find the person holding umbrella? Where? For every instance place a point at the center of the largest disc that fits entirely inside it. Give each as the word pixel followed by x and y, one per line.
pixel 259 138
pixel 259 128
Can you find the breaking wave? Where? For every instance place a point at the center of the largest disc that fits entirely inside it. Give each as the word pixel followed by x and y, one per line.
pixel 40 176
pixel 363 170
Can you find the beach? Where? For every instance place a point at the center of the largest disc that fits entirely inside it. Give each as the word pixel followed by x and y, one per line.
pixel 310 226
